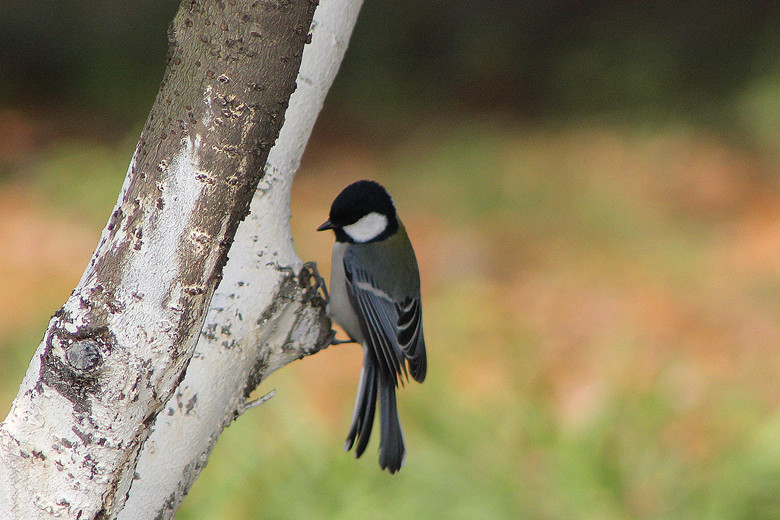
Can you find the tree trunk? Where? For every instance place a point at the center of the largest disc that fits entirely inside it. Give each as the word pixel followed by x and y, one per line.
pixel 115 355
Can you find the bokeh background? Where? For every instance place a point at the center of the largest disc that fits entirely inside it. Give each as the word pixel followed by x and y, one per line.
pixel 593 191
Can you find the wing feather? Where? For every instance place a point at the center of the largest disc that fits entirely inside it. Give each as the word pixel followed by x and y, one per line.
pixel 392 329
pixel 410 336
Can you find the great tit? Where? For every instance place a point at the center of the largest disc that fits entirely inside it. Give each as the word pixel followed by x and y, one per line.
pixel 375 297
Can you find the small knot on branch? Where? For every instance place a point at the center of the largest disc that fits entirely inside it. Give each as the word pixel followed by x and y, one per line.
pixel 84 355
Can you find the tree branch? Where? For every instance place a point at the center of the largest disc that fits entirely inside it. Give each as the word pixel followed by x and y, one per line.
pixel 117 351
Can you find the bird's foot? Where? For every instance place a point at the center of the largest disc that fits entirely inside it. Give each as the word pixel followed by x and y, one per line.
pixel 336 341
pixel 310 274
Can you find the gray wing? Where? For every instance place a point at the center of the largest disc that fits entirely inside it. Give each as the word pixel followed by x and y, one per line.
pixel 410 336
pixel 393 330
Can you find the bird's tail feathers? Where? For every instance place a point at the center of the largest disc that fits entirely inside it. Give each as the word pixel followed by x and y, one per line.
pixel 373 386
pixel 392 451
pixel 365 408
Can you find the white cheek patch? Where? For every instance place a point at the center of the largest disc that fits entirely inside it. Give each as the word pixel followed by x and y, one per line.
pixel 367 228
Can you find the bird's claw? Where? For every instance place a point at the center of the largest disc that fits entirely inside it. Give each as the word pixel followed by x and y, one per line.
pixel 309 272
pixel 336 341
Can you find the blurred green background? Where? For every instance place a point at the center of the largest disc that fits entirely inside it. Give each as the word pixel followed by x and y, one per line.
pixel 593 191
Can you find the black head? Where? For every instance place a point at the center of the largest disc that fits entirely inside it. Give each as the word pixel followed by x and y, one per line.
pixel 366 200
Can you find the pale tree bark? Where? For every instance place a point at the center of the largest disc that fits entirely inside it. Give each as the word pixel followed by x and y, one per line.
pixel 115 409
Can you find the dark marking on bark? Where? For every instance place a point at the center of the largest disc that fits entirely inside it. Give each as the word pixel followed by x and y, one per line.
pixel 62 314
pixel 168 505
pixel 183 374
pixel 256 375
pixel 115 221
pixel 86 437
pixel 76 384
pixel 284 294
pixel 102 300
pixel 190 406
pixel 149 420
pixel 91 464
pixel 209 331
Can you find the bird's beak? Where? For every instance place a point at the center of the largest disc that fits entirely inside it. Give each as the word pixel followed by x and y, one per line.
pixel 326 225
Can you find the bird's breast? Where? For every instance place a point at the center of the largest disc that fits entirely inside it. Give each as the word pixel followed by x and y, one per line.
pixel 340 307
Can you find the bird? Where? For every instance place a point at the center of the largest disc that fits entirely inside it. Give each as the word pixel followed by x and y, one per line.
pixel 375 297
